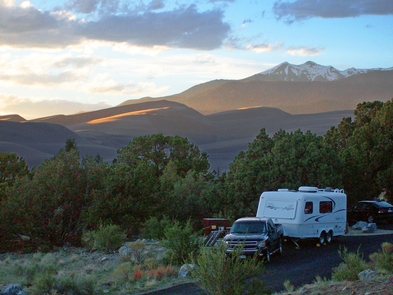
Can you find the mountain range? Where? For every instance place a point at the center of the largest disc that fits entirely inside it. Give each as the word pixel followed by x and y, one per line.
pixel 310 71
pixel 296 89
pixel 221 117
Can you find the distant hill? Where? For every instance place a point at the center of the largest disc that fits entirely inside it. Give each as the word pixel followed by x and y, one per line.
pixel 12 118
pixel 296 89
pixel 221 117
pixel 222 135
pixel 35 141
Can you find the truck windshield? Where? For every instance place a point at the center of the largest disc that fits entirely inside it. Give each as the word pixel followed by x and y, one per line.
pixel 248 228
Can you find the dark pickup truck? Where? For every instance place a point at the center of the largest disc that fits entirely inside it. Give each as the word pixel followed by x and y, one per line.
pixel 256 235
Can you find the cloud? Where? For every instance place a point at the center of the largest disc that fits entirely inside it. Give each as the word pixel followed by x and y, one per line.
pixel 264 47
pixel 40 79
pixel 229 1
pixel 7 2
pixel 31 109
pixel 305 9
pixel 304 51
pixel 75 62
pixel 183 27
pixel 131 88
pixel 205 59
pixel 180 28
pixel 156 4
pixel 45 69
pixel 29 27
pixel 246 22
pixel 89 6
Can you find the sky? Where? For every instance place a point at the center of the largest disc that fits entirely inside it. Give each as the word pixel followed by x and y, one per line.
pixel 71 56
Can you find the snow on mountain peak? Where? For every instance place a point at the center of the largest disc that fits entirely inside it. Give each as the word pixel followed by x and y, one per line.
pixel 309 71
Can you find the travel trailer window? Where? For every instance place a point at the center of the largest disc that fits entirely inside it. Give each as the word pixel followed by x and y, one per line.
pixel 280 208
pixel 325 207
pixel 308 208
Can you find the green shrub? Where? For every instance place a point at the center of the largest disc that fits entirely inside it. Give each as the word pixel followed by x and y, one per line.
pixel 106 238
pixel 40 265
pixel 288 286
pixel 65 284
pixel 221 275
pixel 181 243
pixel 154 228
pixel 151 263
pixel 123 272
pixel 86 284
pixel 138 252
pixel 384 260
pixel 349 269
pixel 42 283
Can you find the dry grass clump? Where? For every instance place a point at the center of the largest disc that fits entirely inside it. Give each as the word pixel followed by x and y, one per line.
pixel 81 271
pixel 381 285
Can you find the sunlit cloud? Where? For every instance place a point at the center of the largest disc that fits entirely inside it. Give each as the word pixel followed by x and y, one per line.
pixel 115 87
pixel 7 3
pixel 304 51
pixel 38 107
pixel 259 48
pixel 45 69
pixel 204 59
pixel 134 50
pixel 26 4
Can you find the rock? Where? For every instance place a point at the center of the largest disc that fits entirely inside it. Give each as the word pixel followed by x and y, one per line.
pixel 370 228
pixel 366 275
pixel 359 225
pixel 183 272
pixel 125 251
pixel 12 289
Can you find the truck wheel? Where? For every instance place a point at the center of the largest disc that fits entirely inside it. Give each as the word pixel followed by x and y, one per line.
pixel 280 248
pixel 322 237
pixel 267 255
pixel 329 237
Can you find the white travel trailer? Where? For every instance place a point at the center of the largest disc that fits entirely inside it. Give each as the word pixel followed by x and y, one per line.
pixel 309 212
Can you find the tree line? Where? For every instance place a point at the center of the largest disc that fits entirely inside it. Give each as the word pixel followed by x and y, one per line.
pixel 168 177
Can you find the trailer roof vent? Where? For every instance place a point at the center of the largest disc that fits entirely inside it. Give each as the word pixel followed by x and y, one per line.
pixel 283 190
pixel 308 189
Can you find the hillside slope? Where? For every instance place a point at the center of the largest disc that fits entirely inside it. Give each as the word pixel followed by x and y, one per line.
pixel 222 135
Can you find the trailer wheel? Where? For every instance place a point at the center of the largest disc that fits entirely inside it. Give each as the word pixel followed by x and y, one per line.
pixel 329 237
pixel 322 238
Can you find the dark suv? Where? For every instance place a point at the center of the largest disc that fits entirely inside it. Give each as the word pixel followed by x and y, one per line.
pixel 371 211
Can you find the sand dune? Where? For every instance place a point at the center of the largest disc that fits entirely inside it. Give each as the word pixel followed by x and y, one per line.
pixel 221 135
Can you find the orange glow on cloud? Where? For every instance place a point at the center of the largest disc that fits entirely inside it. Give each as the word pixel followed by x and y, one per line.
pixel 117 117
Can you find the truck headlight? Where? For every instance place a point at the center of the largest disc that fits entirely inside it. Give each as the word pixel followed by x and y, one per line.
pixel 262 244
